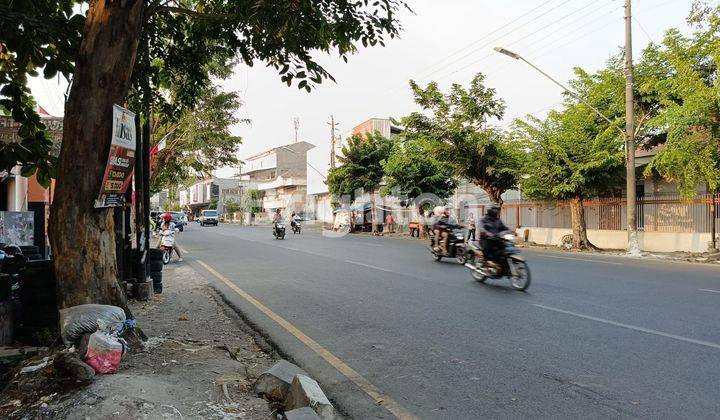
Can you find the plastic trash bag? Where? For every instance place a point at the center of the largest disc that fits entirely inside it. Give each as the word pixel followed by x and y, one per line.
pixel 78 320
pixel 104 352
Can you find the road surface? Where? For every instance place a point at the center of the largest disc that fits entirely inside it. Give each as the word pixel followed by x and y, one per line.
pixel 376 319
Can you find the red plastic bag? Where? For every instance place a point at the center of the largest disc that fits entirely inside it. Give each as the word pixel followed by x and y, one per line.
pixel 104 352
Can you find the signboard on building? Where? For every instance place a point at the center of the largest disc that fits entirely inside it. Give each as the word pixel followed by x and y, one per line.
pixel 17 227
pixel 121 160
pixel 53 127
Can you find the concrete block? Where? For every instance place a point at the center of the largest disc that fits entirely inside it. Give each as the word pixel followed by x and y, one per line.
pixel 306 392
pixel 275 382
pixel 305 413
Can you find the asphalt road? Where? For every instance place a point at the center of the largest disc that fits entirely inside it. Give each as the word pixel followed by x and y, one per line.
pixel 594 336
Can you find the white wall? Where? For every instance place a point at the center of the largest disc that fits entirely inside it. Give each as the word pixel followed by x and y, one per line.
pixel 617 239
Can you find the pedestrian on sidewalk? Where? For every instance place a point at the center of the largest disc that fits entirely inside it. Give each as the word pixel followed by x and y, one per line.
pixel 390 222
pixel 471 227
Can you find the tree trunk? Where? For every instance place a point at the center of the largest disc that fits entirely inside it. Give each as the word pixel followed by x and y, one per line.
pixel 494 194
pixel 577 217
pixel 82 236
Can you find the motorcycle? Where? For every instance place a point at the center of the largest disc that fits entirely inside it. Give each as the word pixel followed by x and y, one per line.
pixel 295 227
pixel 279 231
pixel 508 263
pixel 167 243
pixel 456 247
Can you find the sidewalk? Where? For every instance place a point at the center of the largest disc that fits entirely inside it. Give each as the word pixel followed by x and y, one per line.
pixel 200 362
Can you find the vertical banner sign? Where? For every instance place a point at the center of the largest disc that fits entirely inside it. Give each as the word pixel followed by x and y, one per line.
pixel 121 160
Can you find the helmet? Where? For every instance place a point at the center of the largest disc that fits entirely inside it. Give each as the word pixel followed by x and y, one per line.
pixel 438 210
pixel 167 217
pixel 494 210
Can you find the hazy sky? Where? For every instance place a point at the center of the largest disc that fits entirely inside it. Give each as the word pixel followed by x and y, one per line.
pixel 447 41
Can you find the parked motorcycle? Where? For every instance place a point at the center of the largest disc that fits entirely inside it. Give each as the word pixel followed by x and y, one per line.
pixel 167 243
pixel 279 231
pixel 456 247
pixel 507 263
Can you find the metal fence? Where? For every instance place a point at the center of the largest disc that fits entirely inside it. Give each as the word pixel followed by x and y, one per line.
pixel 655 213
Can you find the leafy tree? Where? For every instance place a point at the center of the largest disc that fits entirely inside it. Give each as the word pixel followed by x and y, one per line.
pixel 101 49
pixel 691 114
pixel 232 206
pixel 213 204
pixel 458 128
pixel 172 206
pixel 413 171
pixel 253 201
pixel 199 142
pixel 573 155
pixel 361 168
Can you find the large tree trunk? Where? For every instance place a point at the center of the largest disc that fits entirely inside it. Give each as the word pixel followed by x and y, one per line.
pixel 82 237
pixel 577 217
pixel 494 194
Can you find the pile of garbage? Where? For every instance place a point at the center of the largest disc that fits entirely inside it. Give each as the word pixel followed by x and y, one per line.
pixel 93 344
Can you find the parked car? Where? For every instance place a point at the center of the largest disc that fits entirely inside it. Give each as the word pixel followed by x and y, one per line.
pixel 209 217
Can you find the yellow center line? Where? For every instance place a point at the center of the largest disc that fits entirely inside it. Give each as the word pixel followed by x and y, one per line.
pixel 342 367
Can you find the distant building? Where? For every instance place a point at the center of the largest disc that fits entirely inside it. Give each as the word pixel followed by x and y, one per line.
pixel 281 175
pixel 382 125
pixel 198 196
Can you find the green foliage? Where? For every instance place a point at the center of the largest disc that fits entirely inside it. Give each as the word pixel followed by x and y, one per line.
pixel 199 142
pixel 457 133
pixel 213 204
pixel 361 166
pixel 690 95
pixel 412 170
pixel 253 201
pixel 183 45
pixel 232 206
pixel 35 36
pixel 572 154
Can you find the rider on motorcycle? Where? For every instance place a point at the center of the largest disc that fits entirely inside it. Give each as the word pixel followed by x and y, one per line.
pixel 443 221
pixel 491 226
pixel 277 218
pixel 168 224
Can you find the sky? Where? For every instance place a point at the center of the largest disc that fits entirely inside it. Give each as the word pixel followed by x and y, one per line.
pixel 447 41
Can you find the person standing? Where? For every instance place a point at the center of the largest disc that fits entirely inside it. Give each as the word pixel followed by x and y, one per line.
pixel 471 227
pixel 390 222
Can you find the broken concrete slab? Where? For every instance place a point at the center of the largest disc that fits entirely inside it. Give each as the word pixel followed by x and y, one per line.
pixel 306 392
pixel 304 413
pixel 275 382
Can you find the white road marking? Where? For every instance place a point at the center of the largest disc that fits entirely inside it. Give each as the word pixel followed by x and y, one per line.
pixel 581 259
pixel 632 327
pixel 709 290
pixel 372 266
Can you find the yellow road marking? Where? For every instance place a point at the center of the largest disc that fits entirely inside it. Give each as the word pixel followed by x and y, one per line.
pixel 350 373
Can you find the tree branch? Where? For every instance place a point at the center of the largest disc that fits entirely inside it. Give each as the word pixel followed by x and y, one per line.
pixel 188 12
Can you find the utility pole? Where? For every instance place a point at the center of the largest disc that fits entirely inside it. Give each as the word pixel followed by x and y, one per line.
pixel 332 124
pixel 633 246
pixel 296 126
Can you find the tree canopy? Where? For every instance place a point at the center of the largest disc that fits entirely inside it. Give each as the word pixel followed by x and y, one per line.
pixel 199 141
pixel 459 134
pixel 690 97
pixel 411 170
pixel 361 165
pixel 181 47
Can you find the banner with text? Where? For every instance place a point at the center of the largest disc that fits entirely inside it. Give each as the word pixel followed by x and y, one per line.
pixel 121 160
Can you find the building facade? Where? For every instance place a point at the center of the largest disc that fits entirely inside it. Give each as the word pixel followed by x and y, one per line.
pixel 280 174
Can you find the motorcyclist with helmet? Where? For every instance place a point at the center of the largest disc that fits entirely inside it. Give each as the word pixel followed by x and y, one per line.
pixel 167 223
pixel 491 226
pixel 443 221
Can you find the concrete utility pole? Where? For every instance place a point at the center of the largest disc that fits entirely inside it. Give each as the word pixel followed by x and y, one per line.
pixel 633 245
pixel 332 124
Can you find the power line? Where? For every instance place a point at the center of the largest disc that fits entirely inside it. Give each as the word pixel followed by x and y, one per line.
pixel 475 62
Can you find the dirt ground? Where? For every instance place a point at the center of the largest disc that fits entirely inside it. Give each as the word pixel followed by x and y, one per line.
pixel 199 362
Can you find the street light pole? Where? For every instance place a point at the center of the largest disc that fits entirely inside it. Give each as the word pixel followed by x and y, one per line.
pixel 628 134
